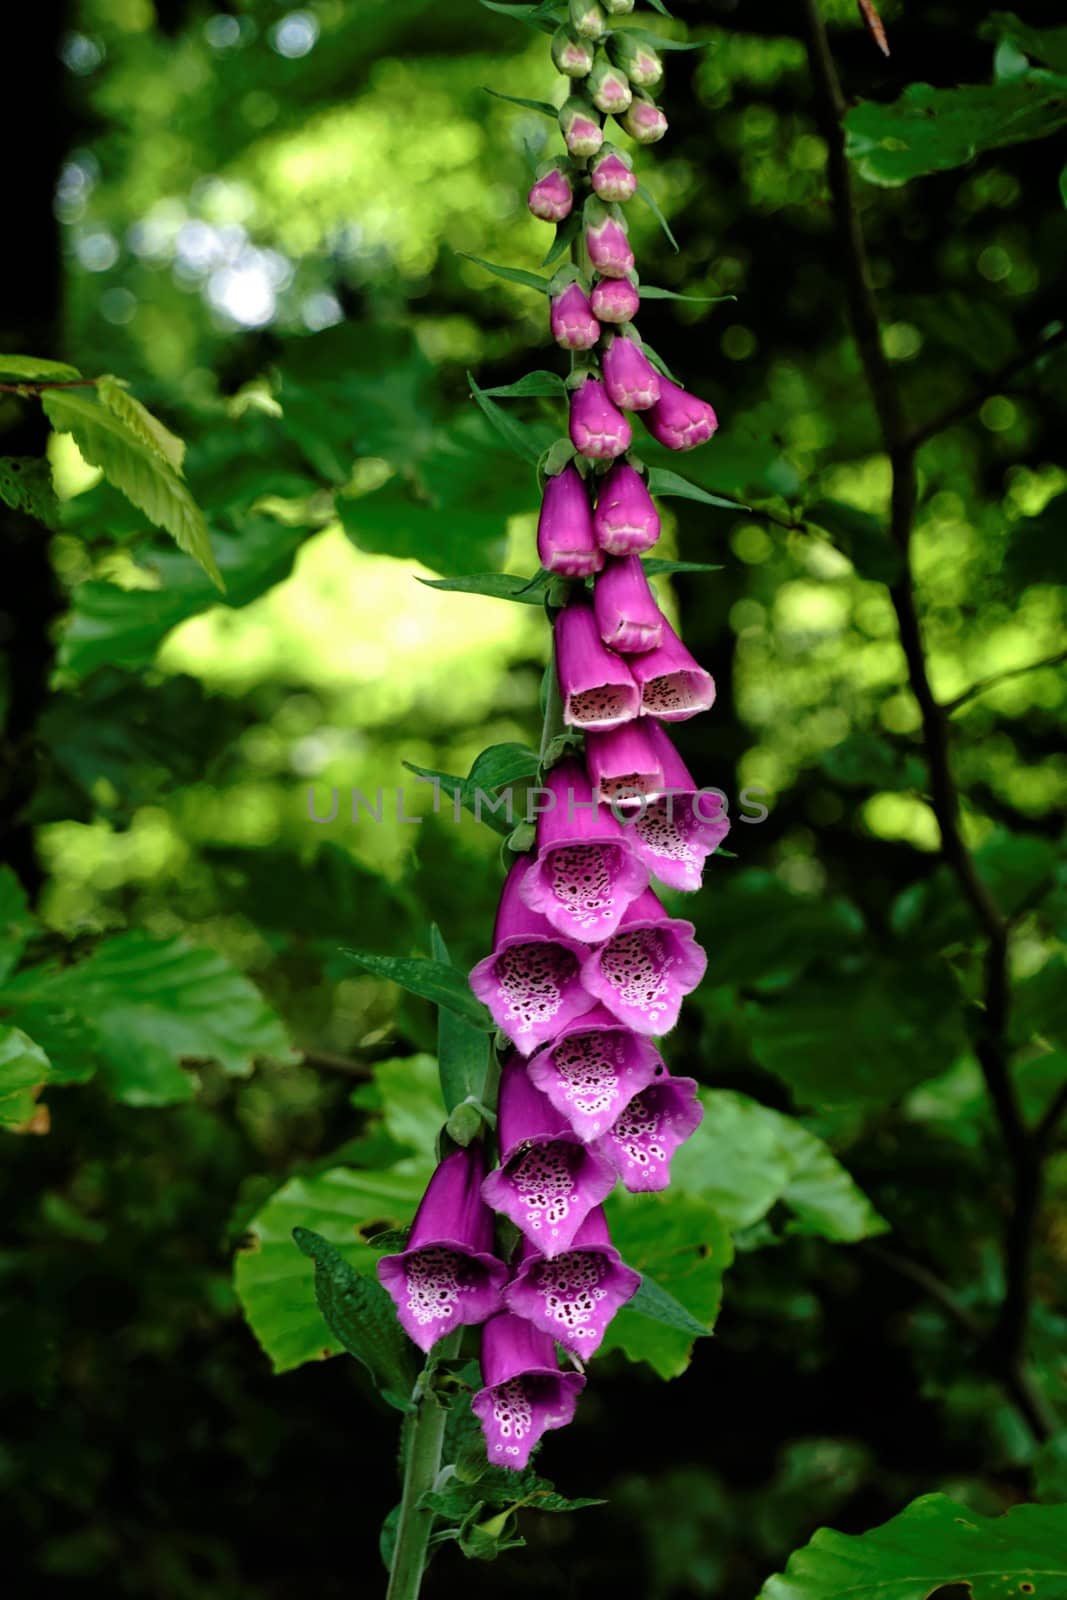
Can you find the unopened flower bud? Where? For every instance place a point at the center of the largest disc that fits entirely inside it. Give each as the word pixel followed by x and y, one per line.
pixel 609 87
pixel 644 121
pixel 565 540
pixel 612 175
pixel 551 197
pixel 631 380
pixel 598 429
pixel 614 300
pixel 572 321
pixel 606 241
pixel 587 19
pixel 580 125
pixel 641 64
pixel 571 55
pixel 626 521
pixel 680 420
pixel 618 8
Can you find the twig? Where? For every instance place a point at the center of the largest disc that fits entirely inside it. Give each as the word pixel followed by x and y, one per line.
pixel 950 707
pixel 937 1289
pixel 29 389
pixel 1006 1346
pixel 992 385
pixel 1046 1127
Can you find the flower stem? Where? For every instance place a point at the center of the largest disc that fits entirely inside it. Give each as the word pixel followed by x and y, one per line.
pixel 424 1433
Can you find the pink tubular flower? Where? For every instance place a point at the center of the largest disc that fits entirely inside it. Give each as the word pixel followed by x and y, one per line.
pixel 525 1393
pixel 448 1275
pixel 625 521
pixel 548 1180
pixel 573 1297
pixel 580 125
pixel 679 420
pixel 642 973
pixel 595 686
pixel 551 197
pixel 565 540
pixel 614 300
pixel 643 121
pixel 571 319
pixel 649 1131
pixel 609 88
pixel 676 832
pixel 531 982
pixel 632 382
pixel 624 763
pixel 606 241
pixel 585 874
pixel 674 686
pixel 612 176
pixel 598 429
pixel 592 1071
pixel 625 607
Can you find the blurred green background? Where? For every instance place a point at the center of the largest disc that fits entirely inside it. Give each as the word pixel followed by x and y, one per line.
pixel 258 215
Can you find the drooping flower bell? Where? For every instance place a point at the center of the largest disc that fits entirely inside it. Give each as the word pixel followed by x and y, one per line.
pixel 571 54
pixel 598 429
pixel 642 64
pixel 644 971
pixel 632 382
pixel 574 1297
pixel 595 686
pixel 584 874
pixel 625 521
pixel 551 197
pixel 674 686
pixel 679 420
pixel 548 1180
pixel 566 542
pixel 531 982
pixel 676 832
pixel 614 300
pixel 643 120
pixel 448 1275
pixel 624 764
pixel 649 1131
pixel 592 1071
pixel 612 175
pixel 579 123
pixel 525 1393
pixel 609 88
pixel 625 607
pixel 606 241
pixel 571 319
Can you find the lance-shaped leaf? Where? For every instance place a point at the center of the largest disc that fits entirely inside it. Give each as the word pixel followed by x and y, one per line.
pixel 462 1048
pixel 496 767
pixel 497 585
pixel 643 194
pixel 649 291
pixel 436 981
pixel 659 1305
pixel 542 106
pixel 533 384
pixel 512 432
pixel 662 481
pixel 361 1315
pixel 529 280
pixel 657 566
pixel 532 16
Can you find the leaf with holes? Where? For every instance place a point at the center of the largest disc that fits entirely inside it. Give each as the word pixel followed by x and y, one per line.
pixel 26 485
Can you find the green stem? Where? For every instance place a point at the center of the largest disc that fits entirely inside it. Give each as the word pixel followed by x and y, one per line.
pixel 424 1434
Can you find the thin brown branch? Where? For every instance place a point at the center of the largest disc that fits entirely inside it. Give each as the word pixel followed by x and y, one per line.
pixel 28 389
pixel 950 707
pixel 992 385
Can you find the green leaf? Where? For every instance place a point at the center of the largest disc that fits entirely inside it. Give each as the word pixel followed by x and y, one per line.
pixel 862 538
pixel 662 41
pixel 765 934
pixel 531 15
pixel 431 980
pixel 23 1066
pixel 462 1049
pixel 26 485
pixel 32 369
pixel 359 1313
pixel 153 1004
pixel 932 130
pixel 566 232
pixel 497 767
pixel 643 194
pixel 497 585
pixel 529 280
pixel 143 476
pixel 662 481
pixel 16 921
pixel 654 1302
pixel 933 1543
pixel 405 1091
pixel 513 433
pixel 275 1283
pixel 658 5
pixel 658 566
pixel 648 291
pixel 116 397
pixel 542 106
pixel 1047 45
pixel 682 1245
pixel 1040 1005
pixel 534 383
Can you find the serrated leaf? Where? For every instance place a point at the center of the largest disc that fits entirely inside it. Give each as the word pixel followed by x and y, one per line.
pixel 360 1314
pixel 142 476
pixel 529 280
pixel 496 585
pixel 648 291
pixel 16 921
pixel 23 1066
pixel 274 1282
pixel 26 485
pixel 542 106
pixel 513 433
pixel 533 384
pixel 935 1542
pixel 462 1049
pixel 33 369
pixel 643 194
pixel 140 421
pixel 430 980
pixel 662 481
